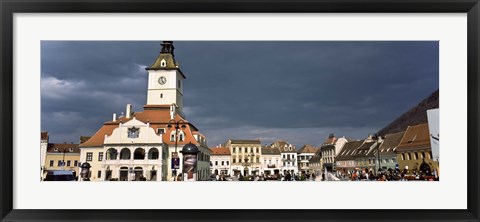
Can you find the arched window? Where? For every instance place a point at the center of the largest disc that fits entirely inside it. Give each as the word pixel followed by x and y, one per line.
pixel 125 154
pixel 153 154
pixel 172 137
pixel 180 136
pixel 111 154
pixel 139 154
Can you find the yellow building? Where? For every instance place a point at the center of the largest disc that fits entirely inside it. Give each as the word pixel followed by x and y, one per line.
pixel 414 153
pixel 61 157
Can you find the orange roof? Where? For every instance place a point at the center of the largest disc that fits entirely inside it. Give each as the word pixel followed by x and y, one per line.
pixel 307 149
pixel 415 137
pixel 220 151
pixel 158 118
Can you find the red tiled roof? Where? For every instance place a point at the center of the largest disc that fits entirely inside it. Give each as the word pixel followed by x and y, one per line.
pixel 220 151
pixel 417 136
pixel 158 118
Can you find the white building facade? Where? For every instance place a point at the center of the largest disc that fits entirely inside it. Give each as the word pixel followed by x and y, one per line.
pixel 271 160
pixel 220 161
pixel 330 149
pixel 288 153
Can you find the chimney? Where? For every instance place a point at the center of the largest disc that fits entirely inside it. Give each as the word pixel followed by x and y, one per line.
pixel 172 111
pixel 128 111
pixel 114 116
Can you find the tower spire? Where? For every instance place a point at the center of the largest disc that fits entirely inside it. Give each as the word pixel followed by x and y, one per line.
pixel 166 58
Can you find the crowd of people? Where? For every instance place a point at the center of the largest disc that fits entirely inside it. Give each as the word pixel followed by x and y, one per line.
pixel 387 175
pixel 287 176
pixel 353 175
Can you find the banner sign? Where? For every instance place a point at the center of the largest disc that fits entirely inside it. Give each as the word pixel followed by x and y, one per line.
pixel 433 126
pixel 175 161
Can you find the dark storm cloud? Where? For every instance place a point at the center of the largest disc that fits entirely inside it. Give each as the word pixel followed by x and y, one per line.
pixel 242 89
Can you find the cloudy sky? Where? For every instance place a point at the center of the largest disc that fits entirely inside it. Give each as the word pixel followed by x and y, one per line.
pixel 296 91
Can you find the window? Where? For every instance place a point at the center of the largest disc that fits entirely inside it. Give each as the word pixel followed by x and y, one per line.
pixel 51 163
pixel 240 160
pixel 71 149
pixel 216 163
pixel 59 163
pixel 233 160
pixel 55 149
pixel 228 163
pixel 234 150
pixel 258 159
pixel 180 137
pixel 223 163
pixel 68 163
pixel 403 156
pixel 416 156
pixel 430 153
pixel 408 156
pixel 160 131
pixel 161 95
pixel 76 163
pixel 99 174
pixel 100 156
pixel 172 137
pixel 179 85
pixel 257 150
pixel 89 156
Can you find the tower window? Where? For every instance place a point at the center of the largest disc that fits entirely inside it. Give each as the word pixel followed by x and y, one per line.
pixel 161 95
pixel 163 63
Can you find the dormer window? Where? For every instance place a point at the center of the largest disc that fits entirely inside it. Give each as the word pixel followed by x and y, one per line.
pixel 55 149
pixel 163 63
pixel 71 149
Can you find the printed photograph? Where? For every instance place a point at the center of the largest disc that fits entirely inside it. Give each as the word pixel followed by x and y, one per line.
pixel 266 111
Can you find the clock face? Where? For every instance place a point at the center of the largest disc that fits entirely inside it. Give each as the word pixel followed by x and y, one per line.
pixel 162 80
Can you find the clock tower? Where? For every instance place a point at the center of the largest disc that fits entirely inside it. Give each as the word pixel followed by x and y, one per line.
pixel 165 80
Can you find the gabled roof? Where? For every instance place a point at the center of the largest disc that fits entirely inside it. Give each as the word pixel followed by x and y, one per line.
pixel 270 151
pixel 417 136
pixel 157 118
pixel 307 149
pixel 234 141
pixel 349 150
pixel 390 143
pixel 62 147
pixel 284 146
pixel 364 149
pixel 220 151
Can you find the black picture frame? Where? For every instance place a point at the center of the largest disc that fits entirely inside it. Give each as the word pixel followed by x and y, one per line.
pixel 9 7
